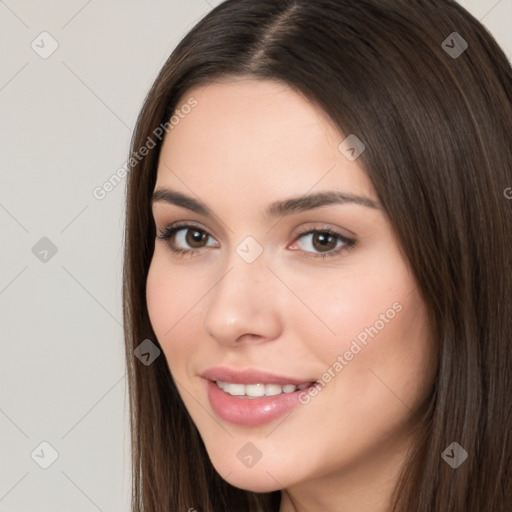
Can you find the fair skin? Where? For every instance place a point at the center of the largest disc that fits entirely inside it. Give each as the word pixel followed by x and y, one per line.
pixel 246 144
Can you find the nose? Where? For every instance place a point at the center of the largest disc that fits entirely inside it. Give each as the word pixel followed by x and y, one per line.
pixel 245 306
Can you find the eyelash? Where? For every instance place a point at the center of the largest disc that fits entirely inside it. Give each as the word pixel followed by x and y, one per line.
pixel 173 229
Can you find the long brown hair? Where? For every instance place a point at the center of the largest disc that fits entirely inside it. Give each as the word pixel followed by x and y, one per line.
pixel 434 110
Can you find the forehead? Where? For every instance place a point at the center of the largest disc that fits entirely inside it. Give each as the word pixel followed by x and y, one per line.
pixel 249 135
pixel 242 109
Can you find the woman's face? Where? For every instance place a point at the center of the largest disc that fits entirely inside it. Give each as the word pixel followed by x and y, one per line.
pixel 292 276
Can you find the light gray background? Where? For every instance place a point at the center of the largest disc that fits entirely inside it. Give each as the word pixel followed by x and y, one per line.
pixel 65 122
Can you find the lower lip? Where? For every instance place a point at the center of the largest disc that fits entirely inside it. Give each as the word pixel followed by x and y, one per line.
pixel 250 411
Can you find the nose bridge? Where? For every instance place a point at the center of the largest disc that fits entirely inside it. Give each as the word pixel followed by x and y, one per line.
pixel 243 301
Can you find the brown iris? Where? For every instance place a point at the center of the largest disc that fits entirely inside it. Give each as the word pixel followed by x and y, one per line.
pixel 195 238
pixel 324 241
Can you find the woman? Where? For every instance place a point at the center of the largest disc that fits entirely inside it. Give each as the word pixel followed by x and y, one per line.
pixel 318 241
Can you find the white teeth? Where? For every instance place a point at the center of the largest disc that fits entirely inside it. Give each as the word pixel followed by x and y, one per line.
pixel 235 389
pixel 273 389
pixel 254 389
pixel 257 390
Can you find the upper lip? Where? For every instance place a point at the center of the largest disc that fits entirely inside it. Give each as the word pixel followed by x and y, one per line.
pixel 251 376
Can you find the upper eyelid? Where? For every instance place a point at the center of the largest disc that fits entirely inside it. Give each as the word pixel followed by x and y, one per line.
pixel 176 226
pixel 165 207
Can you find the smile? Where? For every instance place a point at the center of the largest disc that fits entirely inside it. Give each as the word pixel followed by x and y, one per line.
pixel 258 390
pixel 252 405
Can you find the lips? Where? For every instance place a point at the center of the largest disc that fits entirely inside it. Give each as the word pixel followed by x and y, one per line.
pixel 254 410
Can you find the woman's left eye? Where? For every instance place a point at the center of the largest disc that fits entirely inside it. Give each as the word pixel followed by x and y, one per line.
pixel 189 240
pixel 323 243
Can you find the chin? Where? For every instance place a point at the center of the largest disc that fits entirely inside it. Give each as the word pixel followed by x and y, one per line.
pixel 249 480
pixel 264 476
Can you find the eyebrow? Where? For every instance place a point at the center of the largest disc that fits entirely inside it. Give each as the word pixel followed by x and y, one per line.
pixel 277 209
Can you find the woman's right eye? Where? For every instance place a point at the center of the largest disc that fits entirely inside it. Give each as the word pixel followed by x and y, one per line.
pixel 186 239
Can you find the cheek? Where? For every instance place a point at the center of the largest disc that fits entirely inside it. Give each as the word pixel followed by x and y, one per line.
pixel 388 357
pixel 352 303
pixel 173 300
pixel 379 344
pixel 158 298
pixel 166 298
